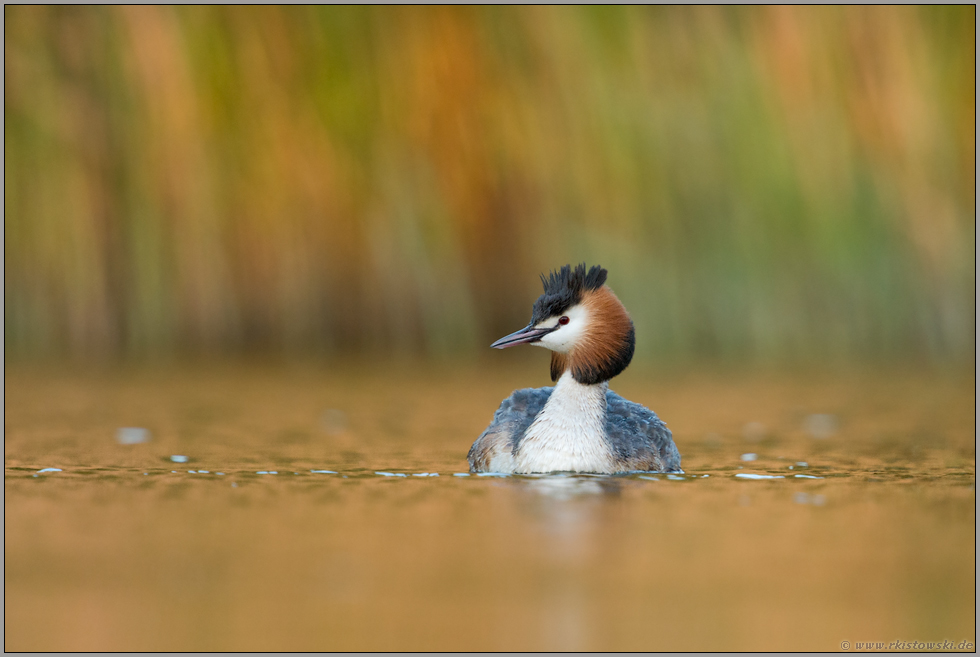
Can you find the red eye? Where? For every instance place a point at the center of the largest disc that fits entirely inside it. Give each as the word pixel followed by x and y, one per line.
pixel 563 320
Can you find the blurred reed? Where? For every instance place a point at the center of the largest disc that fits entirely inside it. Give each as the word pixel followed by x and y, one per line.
pixel 762 183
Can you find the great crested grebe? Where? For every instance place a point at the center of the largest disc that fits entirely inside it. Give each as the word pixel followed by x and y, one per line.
pixel 579 425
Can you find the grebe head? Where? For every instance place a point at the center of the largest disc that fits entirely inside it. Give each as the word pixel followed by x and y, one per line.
pixel 582 322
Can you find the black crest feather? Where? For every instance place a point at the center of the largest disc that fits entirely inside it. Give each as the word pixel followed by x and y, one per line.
pixel 564 288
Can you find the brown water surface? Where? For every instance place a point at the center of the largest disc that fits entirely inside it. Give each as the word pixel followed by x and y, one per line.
pixel 864 532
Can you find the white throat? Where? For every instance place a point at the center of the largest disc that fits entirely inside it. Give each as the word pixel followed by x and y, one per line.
pixel 569 434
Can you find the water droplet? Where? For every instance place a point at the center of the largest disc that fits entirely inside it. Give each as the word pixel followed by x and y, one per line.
pixel 333 421
pixel 132 435
pixel 820 425
pixel 754 431
pixel 712 439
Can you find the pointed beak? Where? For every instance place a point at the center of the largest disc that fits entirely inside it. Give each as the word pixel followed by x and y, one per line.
pixel 524 336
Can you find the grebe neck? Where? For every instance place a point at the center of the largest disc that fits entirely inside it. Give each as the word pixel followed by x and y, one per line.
pixel 569 434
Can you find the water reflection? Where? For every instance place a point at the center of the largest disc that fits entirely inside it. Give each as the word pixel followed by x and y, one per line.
pixel 562 488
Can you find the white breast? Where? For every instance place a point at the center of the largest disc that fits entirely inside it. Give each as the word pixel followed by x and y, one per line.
pixel 568 435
